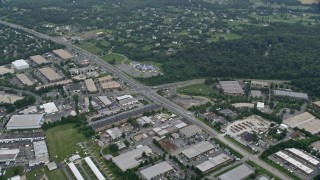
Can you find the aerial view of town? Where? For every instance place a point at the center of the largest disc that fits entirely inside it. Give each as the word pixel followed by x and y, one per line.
pixel 159 89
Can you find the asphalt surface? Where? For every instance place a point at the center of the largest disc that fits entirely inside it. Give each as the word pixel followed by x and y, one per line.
pixel 152 95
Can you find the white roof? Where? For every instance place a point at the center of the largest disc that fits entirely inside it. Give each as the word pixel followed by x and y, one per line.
pixel 124 97
pixel 25 121
pixel 198 149
pixel 75 171
pixel 74 157
pixel 298 119
pixel 105 100
pixel 94 168
pixel 114 132
pixel 156 170
pixel 50 108
pixel 146 119
pixel 304 156
pixel 20 62
pixel 294 162
pixel 260 105
pixel 128 160
pixel 181 125
pixel 17 177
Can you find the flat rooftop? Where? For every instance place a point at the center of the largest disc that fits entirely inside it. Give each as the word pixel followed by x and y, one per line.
pixel 294 162
pixel 303 155
pixel 62 54
pixel 24 79
pixel 291 94
pixel 298 119
pixel 5 70
pixel 190 130
pixel 198 149
pixel 213 162
pixel 91 87
pixel 239 172
pixel 129 160
pixel 9 98
pixel 50 74
pixel 156 170
pixel 316 145
pixel 105 79
pixel 312 126
pixel 231 87
pixel 38 59
pixel 110 85
pixel 25 121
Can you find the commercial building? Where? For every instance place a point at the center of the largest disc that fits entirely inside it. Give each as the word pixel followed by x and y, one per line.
pixel 243 105
pixel 19 136
pixel 291 94
pixel 94 168
pixel 302 155
pixel 91 87
pixel 256 93
pixel 5 70
pixel 303 168
pixel 7 155
pixel 105 79
pixel 105 100
pixel 24 80
pixel 213 163
pixel 231 88
pixel 130 159
pixel 317 104
pixel 198 149
pixel 41 153
pixel 74 87
pixel 30 121
pixel 156 170
pixel 298 119
pixel 259 83
pixel 144 120
pixel 241 172
pixel 104 123
pixel 110 85
pixel 50 74
pixel 20 64
pixel 128 102
pixel 75 171
pixel 312 126
pixel 52 166
pixel 38 59
pixel 49 108
pixel 114 133
pixel 190 130
pixel 123 97
pixel 63 54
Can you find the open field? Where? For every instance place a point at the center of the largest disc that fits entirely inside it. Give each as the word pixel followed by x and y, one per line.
pixel 39 172
pixel 13 171
pixel 62 141
pixel 90 47
pixel 196 90
pixel 116 57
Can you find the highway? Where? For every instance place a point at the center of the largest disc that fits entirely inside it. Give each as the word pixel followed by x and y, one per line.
pixel 152 95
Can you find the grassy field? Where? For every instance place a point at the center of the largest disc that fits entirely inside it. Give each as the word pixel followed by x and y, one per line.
pixel 196 90
pixel 90 47
pixel 62 141
pixel 13 171
pixel 109 58
pixel 52 175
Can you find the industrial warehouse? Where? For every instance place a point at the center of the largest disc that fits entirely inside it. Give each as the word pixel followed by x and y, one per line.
pixel 198 149
pixel 50 74
pixel 156 170
pixel 31 121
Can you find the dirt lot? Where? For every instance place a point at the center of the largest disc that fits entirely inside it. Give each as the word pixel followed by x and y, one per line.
pixel 168 145
pixel 187 101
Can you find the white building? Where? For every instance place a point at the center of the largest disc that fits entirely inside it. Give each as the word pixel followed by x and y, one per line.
pixel 20 64
pixel 94 168
pixel 30 121
pixel 114 133
pixel 49 108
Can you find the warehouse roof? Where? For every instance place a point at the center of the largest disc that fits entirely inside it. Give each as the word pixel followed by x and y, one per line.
pixel 190 130
pixel 5 70
pixel 25 121
pixel 294 162
pixel 110 85
pixel 105 79
pixel 50 74
pixel 197 149
pixel 8 154
pixel 231 87
pixel 24 79
pixel 20 62
pixel 50 108
pixel 243 105
pixel 91 87
pixel 156 170
pixel 312 126
pixel 290 94
pixel 213 162
pixel 239 172
pixel 303 155
pixel 105 100
pixel 119 98
pixel 298 119
pixel 38 59
pixel 129 160
pixel 63 54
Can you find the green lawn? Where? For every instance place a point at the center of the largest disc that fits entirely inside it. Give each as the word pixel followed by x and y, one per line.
pixel 62 141
pixel 196 90
pixel 40 171
pixel 90 47
pixel 13 171
pixel 116 57
pixel 261 171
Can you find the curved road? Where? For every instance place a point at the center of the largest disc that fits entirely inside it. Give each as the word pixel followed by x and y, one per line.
pixel 151 94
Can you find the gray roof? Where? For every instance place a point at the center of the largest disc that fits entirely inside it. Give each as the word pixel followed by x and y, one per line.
pixel 30 121
pixel 198 149
pixel 190 130
pixel 156 170
pixel 290 94
pixel 231 87
pixel 240 172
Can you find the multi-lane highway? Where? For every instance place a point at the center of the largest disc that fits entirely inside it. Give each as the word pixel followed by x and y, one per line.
pixel 151 94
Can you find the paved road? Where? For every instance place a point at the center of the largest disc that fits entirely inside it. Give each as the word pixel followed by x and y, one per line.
pixel 151 94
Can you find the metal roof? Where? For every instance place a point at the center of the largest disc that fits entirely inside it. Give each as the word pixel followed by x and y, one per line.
pixel 25 121
pixel 156 170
